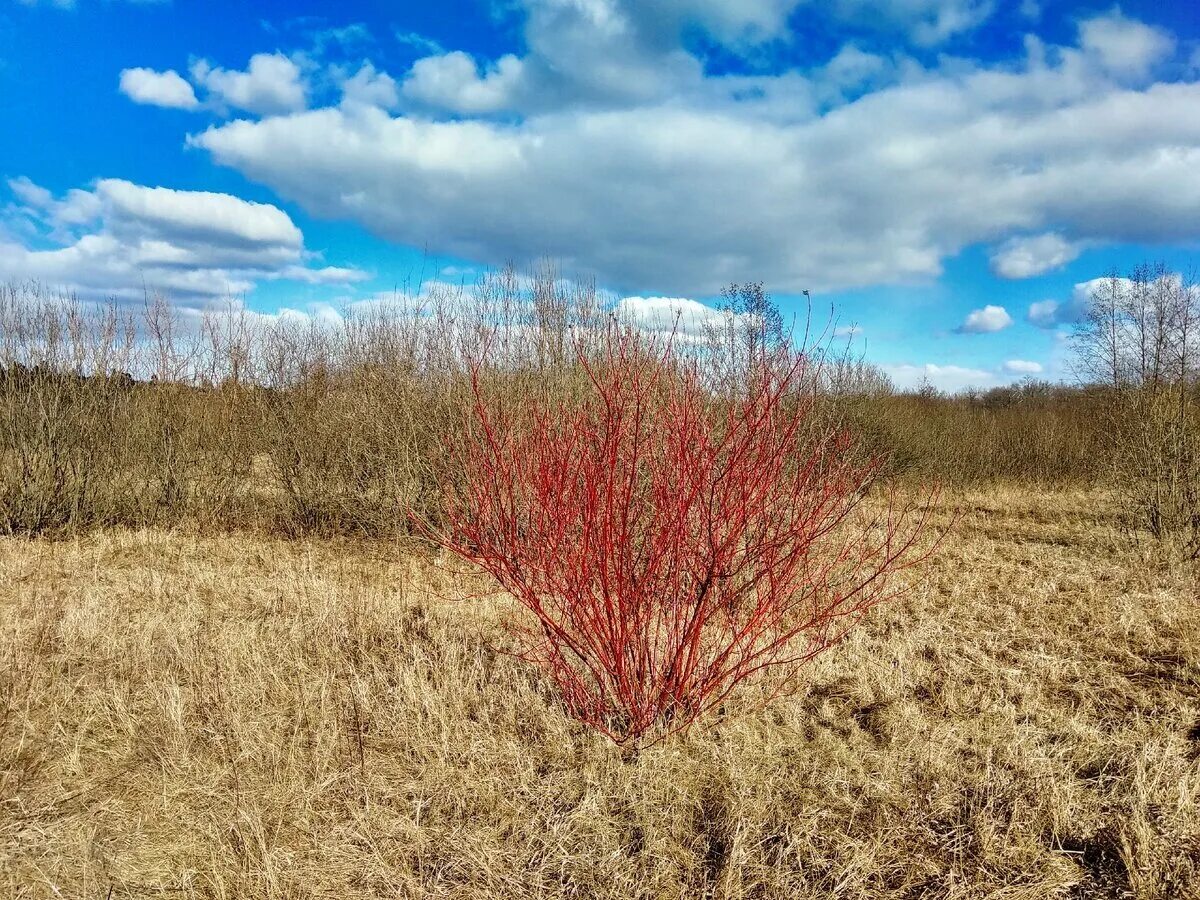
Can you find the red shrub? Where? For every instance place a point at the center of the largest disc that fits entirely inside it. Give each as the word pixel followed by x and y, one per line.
pixel 670 544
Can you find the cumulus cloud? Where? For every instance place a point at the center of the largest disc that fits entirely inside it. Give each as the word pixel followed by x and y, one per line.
pixel 851 71
pixel 948 378
pixel 733 24
pixel 623 52
pixel 1123 45
pixel 1027 257
pixel 120 238
pixel 595 53
pixel 370 87
pixel 985 321
pixel 33 194
pixel 1022 367
pixel 681 182
pixel 746 21
pixel 1072 311
pixel 1044 313
pixel 324 275
pixel 927 22
pixel 198 216
pixel 272 84
pixel 671 314
pixel 158 88
pixel 452 81
pixel 78 207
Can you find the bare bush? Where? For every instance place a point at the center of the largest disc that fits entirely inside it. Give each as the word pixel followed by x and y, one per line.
pixel 671 541
pixel 154 413
pixel 64 397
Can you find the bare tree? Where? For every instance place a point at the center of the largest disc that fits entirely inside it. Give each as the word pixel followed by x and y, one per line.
pixel 1138 339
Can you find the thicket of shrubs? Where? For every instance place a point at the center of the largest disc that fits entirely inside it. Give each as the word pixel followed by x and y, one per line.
pixel 150 414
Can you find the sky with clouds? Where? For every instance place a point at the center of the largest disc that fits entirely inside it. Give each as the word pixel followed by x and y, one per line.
pixel 946 175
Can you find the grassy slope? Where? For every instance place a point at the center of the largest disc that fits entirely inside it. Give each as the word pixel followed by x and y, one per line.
pixel 240 717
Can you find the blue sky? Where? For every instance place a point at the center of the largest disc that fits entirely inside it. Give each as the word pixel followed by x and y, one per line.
pixel 946 174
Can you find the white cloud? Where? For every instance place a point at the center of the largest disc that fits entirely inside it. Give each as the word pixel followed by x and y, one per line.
pixel 120 238
pixel 76 208
pixel 668 314
pixel 271 85
pixel 452 81
pixel 1053 313
pixel 423 44
pixel 748 22
pixel 949 378
pixel 594 53
pixel 1124 46
pixel 618 53
pixel 370 87
pixel 325 275
pixel 202 216
pixel 879 189
pixel 847 331
pixel 927 22
pixel 1022 367
pixel 346 38
pixel 733 23
pixel 33 194
pixel 158 88
pixel 1044 313
pixel 853 68
pixel 985 321
pixel 1026 257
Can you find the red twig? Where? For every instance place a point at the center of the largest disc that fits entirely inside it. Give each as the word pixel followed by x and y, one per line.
pixel 670 543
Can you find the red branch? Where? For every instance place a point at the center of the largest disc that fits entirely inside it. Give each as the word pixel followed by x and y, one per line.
pixel 671 543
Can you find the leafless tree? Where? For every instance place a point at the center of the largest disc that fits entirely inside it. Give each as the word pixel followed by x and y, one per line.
pixel 1138 338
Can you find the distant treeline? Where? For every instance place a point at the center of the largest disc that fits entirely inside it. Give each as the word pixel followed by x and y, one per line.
pixel 154 415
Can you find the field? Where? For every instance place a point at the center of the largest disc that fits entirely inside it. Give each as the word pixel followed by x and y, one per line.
pixel 189 714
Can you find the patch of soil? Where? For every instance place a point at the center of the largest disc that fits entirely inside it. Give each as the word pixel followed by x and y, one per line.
pixel 1106 877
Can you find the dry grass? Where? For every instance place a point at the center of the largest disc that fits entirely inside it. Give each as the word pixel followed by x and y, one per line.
pixel 224 716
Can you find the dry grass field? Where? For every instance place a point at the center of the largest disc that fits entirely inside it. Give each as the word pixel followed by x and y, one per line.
pixel 187 715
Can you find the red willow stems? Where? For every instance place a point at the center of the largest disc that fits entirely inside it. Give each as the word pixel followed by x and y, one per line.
pixel 670 542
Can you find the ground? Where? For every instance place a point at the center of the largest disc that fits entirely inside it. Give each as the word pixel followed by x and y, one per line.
pixel 189 715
